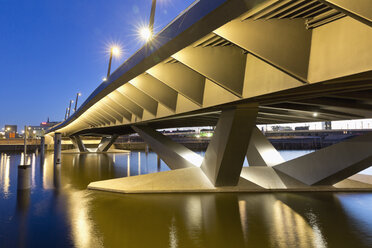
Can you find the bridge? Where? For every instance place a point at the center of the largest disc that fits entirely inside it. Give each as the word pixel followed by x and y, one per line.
pixel 235 64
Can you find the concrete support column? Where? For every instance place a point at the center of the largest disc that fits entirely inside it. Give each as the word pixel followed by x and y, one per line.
pixel 42 147
pixel 175 155
pixel 106 143
pixel 57 148
pixel 78 143
pixel 261 152
pixel 224 157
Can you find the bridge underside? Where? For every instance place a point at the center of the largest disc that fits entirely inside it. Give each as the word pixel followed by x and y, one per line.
pixel 221 169
pixel 241 64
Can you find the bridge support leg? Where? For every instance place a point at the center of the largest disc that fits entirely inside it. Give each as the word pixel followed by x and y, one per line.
pixel 225 154
pixel 175 155
pixel 57 148
pixel 331 164
pixel 78 143
pixel 106 143
pixel 261 152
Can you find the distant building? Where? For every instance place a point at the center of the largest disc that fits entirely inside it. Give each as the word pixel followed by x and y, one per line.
pixel 327 125
pixel 35 131
pixel 48 124
pixel 39 131
pixel 10 131
pixel 302 128
pixel 281 128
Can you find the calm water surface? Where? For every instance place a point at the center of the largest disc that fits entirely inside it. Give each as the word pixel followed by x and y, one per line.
pixel 58 211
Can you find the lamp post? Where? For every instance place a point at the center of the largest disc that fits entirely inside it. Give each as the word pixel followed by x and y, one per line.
pixel 146 33
pixel 109 66
pixel 114 51
pixel 66 113
pixel 76 102
pixel 152 17
pixel 69 108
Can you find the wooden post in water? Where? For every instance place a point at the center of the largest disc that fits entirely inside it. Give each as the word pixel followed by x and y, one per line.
pixel 24 170
pixel 57 148
pixel 25 146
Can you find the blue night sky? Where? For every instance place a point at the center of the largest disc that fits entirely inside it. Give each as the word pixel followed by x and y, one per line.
pixel 50 50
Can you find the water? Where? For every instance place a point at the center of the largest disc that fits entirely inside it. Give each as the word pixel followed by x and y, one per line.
pixel 58 211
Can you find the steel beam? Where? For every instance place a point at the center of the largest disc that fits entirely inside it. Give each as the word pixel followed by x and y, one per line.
pixel 282 43
pixel 357 9
pixel 118 117
pixel 126 103
pixel 142 99
pixel 157 90
pixel 118 108
pixel 222 65
pixel 180 78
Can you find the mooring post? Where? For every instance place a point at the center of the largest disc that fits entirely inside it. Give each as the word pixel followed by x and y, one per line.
pixel 25 147
pixel 42 148
pixel 57 148
pixel 24 170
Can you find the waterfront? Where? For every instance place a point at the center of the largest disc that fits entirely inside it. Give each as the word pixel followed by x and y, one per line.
pixel 59 212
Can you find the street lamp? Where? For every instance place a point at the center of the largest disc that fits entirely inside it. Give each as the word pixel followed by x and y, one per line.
pixel 114 51
pixel 152 17
pixel 76 102
pixel 146 32
pixel 69 108
pixel 66 113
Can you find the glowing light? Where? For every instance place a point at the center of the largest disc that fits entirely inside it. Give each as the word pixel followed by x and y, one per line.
pixel 104 79
pixel 79 94
pixel 128 166
pixel 145 33
pixel 6 176
pixel 315 114
pixel 115 51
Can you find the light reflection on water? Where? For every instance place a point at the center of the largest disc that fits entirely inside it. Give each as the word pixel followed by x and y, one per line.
pixel 58 211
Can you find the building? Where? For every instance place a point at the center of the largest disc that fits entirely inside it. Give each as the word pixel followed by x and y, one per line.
pixel 35 131
pixel 10 131
pixel 327 125
pixel 39 131
pixel 47 124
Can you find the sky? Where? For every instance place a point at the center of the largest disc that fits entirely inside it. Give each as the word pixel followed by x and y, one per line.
pixel 52 49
